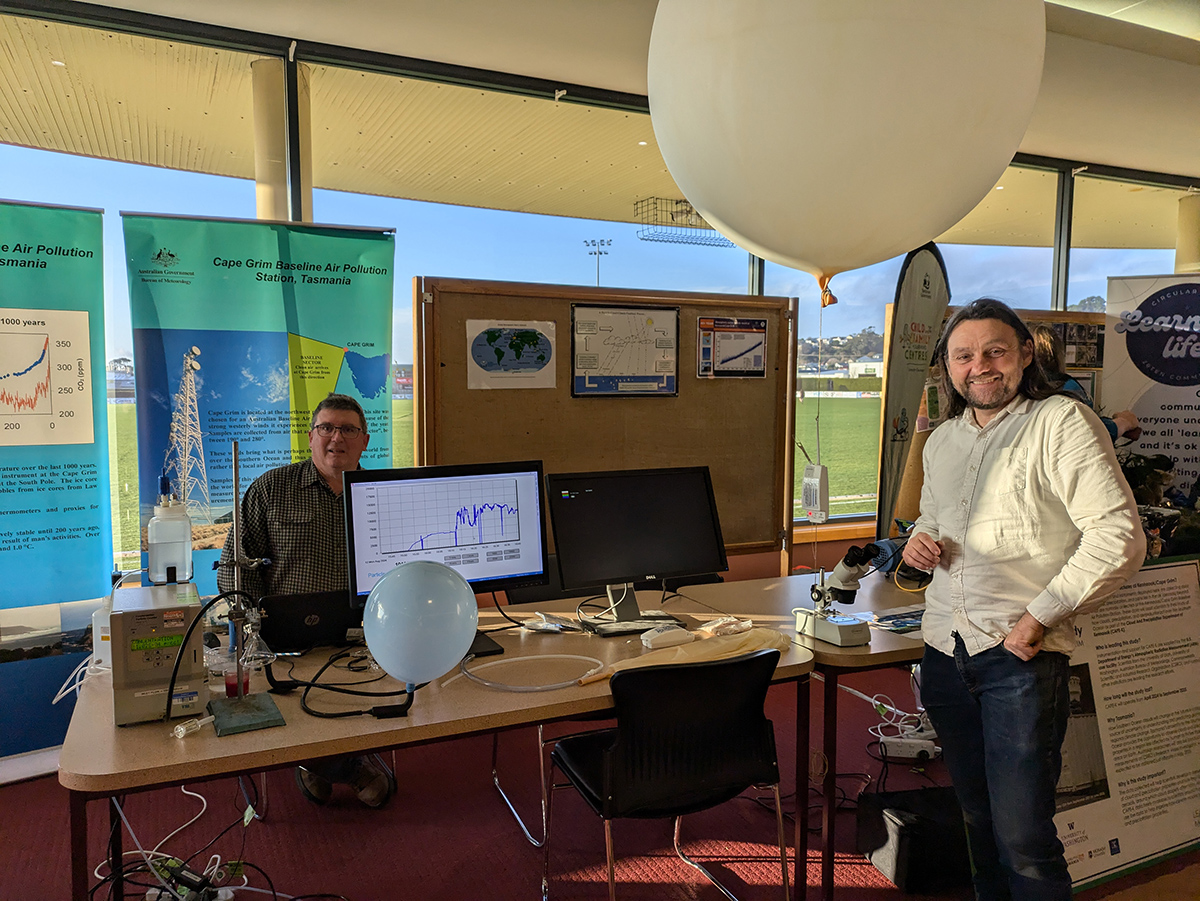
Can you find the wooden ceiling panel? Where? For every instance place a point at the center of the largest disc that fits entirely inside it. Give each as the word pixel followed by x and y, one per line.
pixel 127 98
pixel 399 137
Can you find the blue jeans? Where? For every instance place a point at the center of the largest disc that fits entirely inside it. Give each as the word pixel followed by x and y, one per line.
pixel 1000 721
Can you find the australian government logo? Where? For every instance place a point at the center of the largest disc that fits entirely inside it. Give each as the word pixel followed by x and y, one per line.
pixel 164 269
pixel 1162 336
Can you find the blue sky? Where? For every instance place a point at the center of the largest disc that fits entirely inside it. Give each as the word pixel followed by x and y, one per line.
pixel 463 242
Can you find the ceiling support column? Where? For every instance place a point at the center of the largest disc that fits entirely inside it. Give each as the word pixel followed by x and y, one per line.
pixel 1064 209
pixel 282 140
pixel 1187 235
pixel 756 276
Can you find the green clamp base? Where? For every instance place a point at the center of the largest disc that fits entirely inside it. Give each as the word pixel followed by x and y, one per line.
pixel 234 715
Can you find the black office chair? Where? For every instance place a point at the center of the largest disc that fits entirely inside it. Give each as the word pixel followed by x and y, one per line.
pixel 688 737
pixel 553 590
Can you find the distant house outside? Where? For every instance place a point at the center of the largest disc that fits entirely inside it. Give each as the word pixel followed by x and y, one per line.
pixel 866 365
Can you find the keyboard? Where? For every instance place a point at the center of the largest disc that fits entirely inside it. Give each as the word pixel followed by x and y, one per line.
pixel 629 627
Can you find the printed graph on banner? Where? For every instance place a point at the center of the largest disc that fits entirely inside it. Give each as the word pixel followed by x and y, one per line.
pixel 462 514
pixel 45 378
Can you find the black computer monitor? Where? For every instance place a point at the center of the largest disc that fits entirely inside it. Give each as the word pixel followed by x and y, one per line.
pixel 483 520
pixel 615 528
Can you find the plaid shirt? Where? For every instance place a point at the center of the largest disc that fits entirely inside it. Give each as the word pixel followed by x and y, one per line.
pixel 290 516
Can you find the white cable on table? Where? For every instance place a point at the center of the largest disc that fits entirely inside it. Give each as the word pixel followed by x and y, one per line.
pixel 500 686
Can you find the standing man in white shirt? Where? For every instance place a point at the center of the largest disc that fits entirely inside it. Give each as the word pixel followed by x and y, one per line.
pixel 1026 521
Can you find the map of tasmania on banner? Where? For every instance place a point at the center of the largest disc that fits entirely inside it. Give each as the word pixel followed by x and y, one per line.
pixel 240 328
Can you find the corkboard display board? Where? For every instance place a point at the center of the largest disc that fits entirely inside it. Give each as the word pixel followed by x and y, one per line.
pixel 741 428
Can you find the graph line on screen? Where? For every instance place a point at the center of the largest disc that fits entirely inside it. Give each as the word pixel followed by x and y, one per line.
pixel 448 515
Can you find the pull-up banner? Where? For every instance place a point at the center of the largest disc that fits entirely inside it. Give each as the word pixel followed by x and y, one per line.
pixel 240 328
pixel 922 295
pixel 55 521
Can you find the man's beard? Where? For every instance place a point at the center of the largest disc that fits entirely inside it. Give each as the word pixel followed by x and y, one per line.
pixel 992 401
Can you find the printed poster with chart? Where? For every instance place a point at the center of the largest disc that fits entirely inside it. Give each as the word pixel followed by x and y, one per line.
pixel 240 329
pixel 1129 792
pixel 55 515
pixel 731 348
pixel 624 350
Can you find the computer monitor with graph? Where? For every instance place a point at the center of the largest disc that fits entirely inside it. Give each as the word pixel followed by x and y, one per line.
pixel 483 520
pixel 615 528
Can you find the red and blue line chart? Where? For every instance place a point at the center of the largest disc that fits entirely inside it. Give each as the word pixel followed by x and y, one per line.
pixel 45 378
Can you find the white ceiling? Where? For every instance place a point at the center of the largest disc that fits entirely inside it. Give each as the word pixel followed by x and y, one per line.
pixel 1114 92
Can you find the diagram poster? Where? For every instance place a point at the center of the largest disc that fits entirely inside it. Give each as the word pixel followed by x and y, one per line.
pixel 1130 786
pixel 55 521
pixel 624 350
pixel 240 329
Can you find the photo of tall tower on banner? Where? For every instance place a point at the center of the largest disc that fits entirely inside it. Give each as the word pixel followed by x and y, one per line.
pixel 184 465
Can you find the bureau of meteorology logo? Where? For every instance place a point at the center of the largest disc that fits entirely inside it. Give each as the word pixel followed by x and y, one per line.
pixel 1162 336
pixel 165 259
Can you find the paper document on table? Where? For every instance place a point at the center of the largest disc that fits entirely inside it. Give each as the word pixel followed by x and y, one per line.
pixel 897 619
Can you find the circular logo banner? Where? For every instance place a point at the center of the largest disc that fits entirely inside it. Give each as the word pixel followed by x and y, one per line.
pixel 1162 336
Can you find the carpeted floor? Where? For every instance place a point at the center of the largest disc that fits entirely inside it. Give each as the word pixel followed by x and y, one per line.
pixel 447 835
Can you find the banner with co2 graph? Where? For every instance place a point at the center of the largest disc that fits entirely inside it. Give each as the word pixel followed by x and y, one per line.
pixel 240 328
pixel 55 521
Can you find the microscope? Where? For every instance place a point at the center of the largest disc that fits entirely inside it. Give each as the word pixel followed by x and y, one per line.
pixel 842 586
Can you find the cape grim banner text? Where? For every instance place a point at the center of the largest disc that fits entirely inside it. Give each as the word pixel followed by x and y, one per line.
pixel 240 328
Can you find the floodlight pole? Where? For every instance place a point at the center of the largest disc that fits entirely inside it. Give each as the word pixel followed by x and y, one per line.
pixel 597 253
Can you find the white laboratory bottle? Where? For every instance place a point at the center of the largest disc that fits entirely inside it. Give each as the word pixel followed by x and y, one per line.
pixel 101 643
pixel 169 537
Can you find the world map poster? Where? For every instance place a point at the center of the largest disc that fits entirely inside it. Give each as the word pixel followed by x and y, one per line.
pixel 240 329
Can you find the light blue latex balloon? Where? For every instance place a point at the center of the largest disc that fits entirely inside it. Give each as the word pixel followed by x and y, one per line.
pixel 420 620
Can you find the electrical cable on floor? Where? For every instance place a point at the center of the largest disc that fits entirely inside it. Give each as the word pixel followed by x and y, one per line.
pixel 260 813
pixel 171 891
pixel 203 807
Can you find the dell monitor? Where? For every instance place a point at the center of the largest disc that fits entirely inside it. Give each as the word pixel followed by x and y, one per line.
pixel 482 520
pixel 612 529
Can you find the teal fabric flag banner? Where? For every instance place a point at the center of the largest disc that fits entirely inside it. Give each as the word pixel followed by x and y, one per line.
pixel 55 516
pixel 239 329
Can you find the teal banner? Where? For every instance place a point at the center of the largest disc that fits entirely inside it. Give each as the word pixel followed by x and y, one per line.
pixel 240 328
pixel 55 517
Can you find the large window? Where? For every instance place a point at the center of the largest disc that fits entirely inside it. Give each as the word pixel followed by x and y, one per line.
pixel 490 184
pixel 1118 228
pixel 838 403
pixel 539 191
pixel 41 176
pixel 123 123
pixel 1002 249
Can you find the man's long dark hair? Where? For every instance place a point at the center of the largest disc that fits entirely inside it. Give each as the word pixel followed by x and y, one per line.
pixel 1036 382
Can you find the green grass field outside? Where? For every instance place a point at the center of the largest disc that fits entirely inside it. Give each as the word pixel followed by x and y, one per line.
pixel 849 450
pixel 849 447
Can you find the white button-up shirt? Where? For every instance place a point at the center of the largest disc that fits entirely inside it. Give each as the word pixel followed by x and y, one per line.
pixel 1034 514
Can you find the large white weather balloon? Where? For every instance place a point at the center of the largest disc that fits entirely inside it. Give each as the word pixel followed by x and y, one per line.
pixel 831 134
